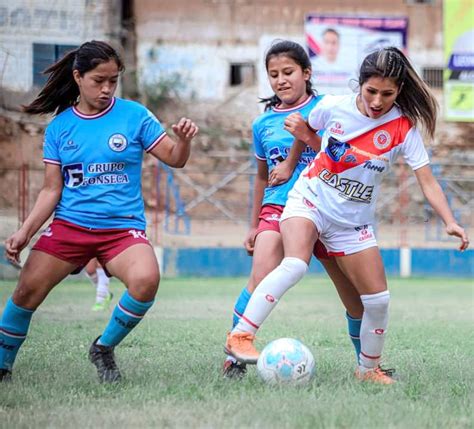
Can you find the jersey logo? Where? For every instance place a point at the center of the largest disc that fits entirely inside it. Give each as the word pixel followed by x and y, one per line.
pixel 138 234
pixel 70 145
pixel 73 175
pixel 351 190
pixel 382 139
pixel 336 149
pixel 337 129
pixel 276 156
pixel 370 165
pixel 268 132
pixel 118 142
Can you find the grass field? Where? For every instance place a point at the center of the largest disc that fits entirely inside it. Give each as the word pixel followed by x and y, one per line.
pixel 171 363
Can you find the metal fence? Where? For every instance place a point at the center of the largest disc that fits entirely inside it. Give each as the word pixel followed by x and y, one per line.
pixel 208 203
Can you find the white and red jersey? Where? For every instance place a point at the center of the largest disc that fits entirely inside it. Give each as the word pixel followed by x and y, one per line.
pixel 356 151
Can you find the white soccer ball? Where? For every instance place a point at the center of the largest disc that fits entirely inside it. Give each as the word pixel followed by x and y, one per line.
pixel 286 361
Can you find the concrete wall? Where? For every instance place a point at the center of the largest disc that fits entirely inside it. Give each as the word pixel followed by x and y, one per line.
pixel 215 262
pixel 199 39
pixel 66 22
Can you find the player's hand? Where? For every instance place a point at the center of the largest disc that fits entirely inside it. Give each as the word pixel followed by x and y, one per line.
pixel 296 125
pixel 185 129
pixel 14 245
pixel 458 231
pixel 249 242
pixel 280 174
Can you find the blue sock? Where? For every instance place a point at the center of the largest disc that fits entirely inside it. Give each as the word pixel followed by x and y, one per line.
pixel 354 332
pixel 13 329
pixel 126 315
pixel 240 306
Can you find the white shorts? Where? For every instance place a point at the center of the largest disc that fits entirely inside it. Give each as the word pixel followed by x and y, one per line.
pixel 339 240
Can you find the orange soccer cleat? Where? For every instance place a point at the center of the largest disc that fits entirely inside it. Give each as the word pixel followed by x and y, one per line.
pixel 376 375
pixel 240 345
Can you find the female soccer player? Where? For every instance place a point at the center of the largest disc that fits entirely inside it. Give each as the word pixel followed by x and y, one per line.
pixel 334 198
pixel 93 152
pixel 289 73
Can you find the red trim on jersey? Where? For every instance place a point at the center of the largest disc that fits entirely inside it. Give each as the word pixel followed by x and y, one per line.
pixel 96 115
pixel 336 253
pixel 155 143
pixel 299 106
pixel 51 161
pixel 363 148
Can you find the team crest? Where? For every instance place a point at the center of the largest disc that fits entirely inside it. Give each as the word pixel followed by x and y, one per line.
pixel 382 139
pixel 118 142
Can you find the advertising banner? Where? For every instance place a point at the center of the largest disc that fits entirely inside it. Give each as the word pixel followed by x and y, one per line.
pixel 338 44
pixel 459 60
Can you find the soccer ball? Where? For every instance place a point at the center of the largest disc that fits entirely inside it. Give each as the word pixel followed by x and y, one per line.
pixel 286 361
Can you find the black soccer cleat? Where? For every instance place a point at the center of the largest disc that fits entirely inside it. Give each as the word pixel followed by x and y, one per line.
pixel 234 370
pixel 5 375
pixel 104 360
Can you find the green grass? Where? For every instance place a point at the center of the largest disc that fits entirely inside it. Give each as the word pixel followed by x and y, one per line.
pixel 171 363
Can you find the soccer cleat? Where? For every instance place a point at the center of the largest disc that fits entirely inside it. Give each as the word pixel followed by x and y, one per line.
pixel 105 304
pixel 376 375
pixel 240 345
pixel 235 370
pixel 390 372
pixel 5 375
pixel 104 360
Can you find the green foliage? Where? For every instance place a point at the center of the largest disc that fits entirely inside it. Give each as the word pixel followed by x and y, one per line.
pixel 163 90
pixel 171 363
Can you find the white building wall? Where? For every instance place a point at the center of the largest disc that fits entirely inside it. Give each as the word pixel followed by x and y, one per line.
pixel 64 22
pixel 203 69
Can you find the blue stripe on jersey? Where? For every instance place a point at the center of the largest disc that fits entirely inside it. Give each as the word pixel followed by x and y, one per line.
pixel 101 163
pixel 272 144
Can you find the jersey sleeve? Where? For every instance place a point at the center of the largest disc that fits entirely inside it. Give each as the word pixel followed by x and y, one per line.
pixel 318 117
pixel 414 151
pixel 51 146
pixel 151 131
pixel 257 143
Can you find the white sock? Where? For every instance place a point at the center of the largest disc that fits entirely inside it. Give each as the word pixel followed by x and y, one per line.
pixel 93 278
pixel 269 291
pixel 103 281
pixel 373 328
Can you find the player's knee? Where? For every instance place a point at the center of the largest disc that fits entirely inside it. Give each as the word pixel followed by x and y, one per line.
pixel 26 296
pixel 144 286
pixel 296 268
pixel 376 303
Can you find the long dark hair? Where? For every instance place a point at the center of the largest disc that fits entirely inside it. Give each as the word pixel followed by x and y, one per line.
pixel 298 55
pixel 415 99
pixel 61 90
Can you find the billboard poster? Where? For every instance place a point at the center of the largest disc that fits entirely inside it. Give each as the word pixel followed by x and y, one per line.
pixel 459 60
pixel 338 44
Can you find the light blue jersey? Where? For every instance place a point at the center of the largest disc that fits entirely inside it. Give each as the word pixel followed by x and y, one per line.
pixel 273 143
pixel 101 163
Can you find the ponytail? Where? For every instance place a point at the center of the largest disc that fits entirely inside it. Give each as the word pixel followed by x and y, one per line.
pixel 61 90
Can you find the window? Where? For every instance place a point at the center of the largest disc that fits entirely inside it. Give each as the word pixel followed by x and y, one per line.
pixel 242 74
pixel 433 76
pixel 43 56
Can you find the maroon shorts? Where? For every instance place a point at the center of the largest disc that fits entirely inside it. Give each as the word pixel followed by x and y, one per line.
pixel 78 245
pixel 269 220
